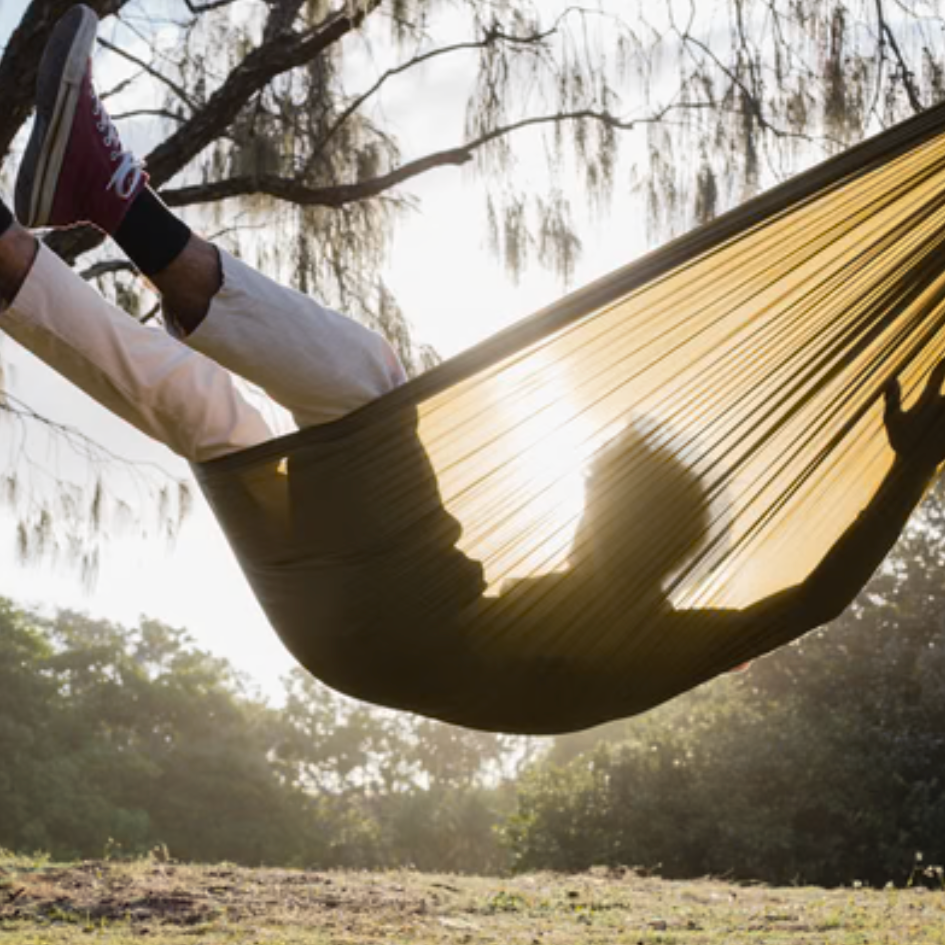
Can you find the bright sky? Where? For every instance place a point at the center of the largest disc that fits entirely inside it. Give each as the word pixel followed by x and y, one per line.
pixel 454 292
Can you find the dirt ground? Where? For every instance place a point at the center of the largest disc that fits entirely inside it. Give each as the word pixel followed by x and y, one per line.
pixel 169 904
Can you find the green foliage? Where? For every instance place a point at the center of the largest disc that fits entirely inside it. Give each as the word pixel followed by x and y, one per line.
pixel 126 739
pixel 115 742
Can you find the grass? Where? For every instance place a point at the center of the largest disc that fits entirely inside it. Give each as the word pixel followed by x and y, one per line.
pixel 173 904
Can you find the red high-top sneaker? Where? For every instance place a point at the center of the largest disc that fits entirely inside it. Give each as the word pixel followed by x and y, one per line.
pixel 74 169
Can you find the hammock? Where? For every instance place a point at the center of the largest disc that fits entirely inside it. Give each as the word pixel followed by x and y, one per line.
pixel 561 526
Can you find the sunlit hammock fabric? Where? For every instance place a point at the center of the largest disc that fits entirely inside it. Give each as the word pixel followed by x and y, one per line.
pixel 552 529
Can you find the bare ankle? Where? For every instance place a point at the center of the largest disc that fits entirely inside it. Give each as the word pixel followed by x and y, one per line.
pixel 190 283
pixel 18 249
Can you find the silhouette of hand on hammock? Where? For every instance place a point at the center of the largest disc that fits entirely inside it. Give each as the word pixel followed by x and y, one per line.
pixel 917 438
pixel 918 435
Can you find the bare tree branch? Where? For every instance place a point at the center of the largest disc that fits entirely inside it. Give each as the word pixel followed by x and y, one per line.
pixel 261 66
pixel 749 96
pixel 119 88
pixel 107 267
pixel 340 194
pixel 177 89
pixel 151 314
pixel 491 37
pixel 81 442
pixel 282 15
pixel 199 8
pixel 905 73
pixel 147 113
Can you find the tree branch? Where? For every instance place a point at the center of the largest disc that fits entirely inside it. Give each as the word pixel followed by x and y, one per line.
pixel 197 8
pixel 148 113
pixel 490 38
pixel 107 267
pixel 282 14
pixel 908 76
pixel 152 313
pixel 178 90
pixel 749 95
pixel 337 195
pixel 340 194
pixel 261 66
pixel 81 442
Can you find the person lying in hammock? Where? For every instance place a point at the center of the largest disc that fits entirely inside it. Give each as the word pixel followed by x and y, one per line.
pixel 370 625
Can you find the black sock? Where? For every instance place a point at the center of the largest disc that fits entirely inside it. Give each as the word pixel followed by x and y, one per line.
pixel 6 218
pixel 150 235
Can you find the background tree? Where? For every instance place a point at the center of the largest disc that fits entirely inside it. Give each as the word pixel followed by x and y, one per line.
pixel 822 764
pixel 119 740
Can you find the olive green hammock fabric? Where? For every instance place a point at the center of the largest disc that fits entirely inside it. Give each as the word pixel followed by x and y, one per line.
pixel 560 526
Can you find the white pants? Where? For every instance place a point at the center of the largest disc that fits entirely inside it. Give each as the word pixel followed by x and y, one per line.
pixel 318 364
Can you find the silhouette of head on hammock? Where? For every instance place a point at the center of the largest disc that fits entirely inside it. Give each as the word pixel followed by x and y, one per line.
pixel 573 637
pixel 646 513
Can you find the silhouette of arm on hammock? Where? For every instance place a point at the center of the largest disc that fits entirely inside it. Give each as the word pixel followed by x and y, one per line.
pixel 917 437
pixel 604 639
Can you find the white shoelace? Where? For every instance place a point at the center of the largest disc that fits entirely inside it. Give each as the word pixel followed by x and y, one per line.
pixel 130 170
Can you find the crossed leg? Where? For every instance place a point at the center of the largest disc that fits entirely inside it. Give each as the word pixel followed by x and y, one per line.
pixel 317 363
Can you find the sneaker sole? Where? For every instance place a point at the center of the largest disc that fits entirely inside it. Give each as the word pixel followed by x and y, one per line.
pixel 57 96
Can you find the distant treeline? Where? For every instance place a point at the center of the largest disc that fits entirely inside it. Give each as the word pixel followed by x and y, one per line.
pixel 824 764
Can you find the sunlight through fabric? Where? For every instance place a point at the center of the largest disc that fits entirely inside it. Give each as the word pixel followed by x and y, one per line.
pixel 561 525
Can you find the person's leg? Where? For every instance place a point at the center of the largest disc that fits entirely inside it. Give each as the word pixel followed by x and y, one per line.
pixel 17 252
pixel 317 363
pixel 167 391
